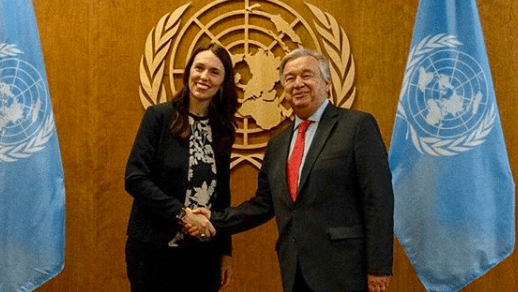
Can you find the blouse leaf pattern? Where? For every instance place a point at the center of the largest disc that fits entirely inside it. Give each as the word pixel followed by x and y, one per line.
pixel 203 193
pixel 202 165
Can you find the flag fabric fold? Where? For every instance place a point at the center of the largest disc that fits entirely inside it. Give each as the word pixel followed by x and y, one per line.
pixel 32 194
pixel 453 186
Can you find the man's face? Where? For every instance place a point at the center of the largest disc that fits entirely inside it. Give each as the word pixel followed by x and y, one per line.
pixel 304 87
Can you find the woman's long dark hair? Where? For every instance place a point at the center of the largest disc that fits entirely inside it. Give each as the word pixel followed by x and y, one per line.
pixel 222 108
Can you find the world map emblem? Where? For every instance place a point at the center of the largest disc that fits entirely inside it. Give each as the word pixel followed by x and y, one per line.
pixel 257 35
pixel 26 123
pixel 445 98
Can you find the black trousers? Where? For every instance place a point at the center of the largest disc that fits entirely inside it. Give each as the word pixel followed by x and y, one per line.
pixel 155 269
pixel 302 286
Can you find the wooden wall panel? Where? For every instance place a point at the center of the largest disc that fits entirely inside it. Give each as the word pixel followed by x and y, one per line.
pixel 92 50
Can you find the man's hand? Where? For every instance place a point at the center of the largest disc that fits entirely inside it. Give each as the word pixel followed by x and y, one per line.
pixel 203 211
pixel 377 283
pixel 198 225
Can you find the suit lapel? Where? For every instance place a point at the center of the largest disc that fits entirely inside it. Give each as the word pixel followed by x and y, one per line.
pixel 326 124
pixel 282 157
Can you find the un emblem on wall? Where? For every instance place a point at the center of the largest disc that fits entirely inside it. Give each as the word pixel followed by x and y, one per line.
pixel 25 120
pixel 445 102
pixel 257 34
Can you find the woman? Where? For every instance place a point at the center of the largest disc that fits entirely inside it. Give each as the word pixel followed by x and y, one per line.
pixel 181 160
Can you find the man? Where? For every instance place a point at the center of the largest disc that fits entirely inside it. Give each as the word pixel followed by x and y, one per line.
pixel 336 226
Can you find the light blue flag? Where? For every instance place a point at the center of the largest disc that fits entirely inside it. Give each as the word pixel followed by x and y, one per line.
pixel 454 191
pixel 31 174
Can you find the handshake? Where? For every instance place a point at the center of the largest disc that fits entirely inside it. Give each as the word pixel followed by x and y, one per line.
pixel 196 224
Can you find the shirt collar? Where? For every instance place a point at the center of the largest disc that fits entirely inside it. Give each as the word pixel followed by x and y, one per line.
pixel 315 117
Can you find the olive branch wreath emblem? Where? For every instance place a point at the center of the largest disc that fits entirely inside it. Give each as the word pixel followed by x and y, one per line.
pixel 338 49
pixel 9 50
pixel 432 145
pixel 153 62
pixel 158 43
pixel 36 143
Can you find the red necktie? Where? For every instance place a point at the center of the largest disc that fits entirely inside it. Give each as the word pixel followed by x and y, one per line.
pixel 296 159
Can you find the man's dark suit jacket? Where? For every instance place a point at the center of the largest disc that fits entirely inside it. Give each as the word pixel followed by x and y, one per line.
pixel 341 225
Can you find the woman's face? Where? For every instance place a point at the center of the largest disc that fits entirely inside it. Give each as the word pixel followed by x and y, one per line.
pixel 206 76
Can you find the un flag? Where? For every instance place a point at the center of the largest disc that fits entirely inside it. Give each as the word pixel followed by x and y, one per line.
pixel 453 187
pixel 32 193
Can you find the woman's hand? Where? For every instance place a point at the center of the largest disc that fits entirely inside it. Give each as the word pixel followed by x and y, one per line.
pixel 377 283
pixel 226 271
pixel 198 225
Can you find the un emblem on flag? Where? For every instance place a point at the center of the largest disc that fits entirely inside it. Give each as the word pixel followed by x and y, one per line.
pixel 25 120
pixel 445 98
